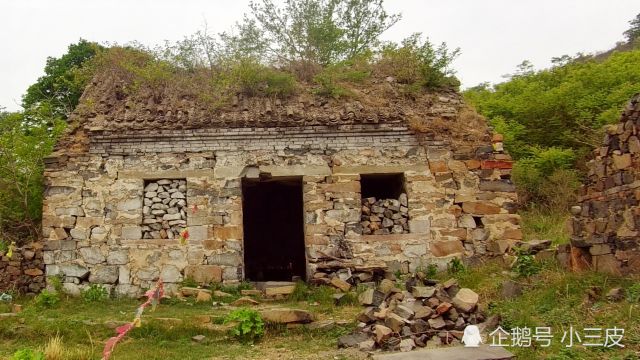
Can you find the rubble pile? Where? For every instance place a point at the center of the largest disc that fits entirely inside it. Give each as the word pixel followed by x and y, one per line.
pixel 345 274
pixel 427 312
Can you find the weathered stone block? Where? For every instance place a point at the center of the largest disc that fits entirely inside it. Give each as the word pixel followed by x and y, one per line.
pixel 134 204
pixel 124 275
pixel 446 248
pixel 414 250
pixel 480 208
pixel 170 274
pixel 71 289
pixel 92 255
pixel 342 187
pixel 513 234
pixel 344 216
pixel 621 162
pixel 118 257
pixel 149 273
pixel 499 246
pixel 231 273
pixel 225 259
pixel 227 232
pixel 213 244
pixel 104 274
pixel 131 232
pixel 466 221
pixel 419 226
pixel 438 166
pixel 198 233
pixel 497 185
pixel 600 249
pixel 606 263
pixel 126 290
pixel 68 245
pixel 204 274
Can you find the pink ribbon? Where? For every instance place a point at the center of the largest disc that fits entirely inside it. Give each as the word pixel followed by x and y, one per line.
pixel 153 298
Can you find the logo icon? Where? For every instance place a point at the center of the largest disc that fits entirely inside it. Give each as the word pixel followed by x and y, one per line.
pixel 471 337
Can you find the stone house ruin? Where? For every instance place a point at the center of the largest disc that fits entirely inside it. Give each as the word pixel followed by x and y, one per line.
pixel 270 189
pixel 606 223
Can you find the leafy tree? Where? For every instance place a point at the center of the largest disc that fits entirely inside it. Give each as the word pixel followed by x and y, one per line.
pixel 321 31
pixel 62 84
pixel 22 148
pixel 634 31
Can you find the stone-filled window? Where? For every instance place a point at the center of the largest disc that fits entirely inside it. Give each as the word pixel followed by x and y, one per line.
pixel 385 207
pixel 164 212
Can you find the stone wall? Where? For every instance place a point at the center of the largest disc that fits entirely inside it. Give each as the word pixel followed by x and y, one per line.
pixel 606 222
pixel 460 201
pixel 24 271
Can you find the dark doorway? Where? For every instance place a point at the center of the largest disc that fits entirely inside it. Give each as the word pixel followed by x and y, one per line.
pixel 273 229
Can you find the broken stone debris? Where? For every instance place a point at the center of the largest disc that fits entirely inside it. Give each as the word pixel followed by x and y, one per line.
pixel 405 319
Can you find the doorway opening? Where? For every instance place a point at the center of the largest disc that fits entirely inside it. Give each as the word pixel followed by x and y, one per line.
pixel 382 186
pixel 273 221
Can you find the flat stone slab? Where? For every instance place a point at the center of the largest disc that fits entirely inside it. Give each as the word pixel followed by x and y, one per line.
pixel 451 353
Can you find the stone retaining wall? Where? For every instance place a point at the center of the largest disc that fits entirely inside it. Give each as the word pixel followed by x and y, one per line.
pixel 606 224
pixel 24 271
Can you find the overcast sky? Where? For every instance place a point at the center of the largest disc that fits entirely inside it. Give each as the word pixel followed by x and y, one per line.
pixel 494 35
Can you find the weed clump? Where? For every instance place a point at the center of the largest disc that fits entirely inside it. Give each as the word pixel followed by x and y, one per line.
pixel 94 293
pixel 525 264
pixel 249 326
pixel 455 266
pixel 28 354
pixel 47 299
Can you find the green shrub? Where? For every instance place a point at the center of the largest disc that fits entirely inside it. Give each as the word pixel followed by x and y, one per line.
pixel 328 86
pixel 249 326
pixel 252 78
pixel 432 271
pixel 418 64
pixel 525 264
pixel 95 292
pixel 279 83
pixel 332 80
pixel 47 299
pixel 28 354
pixel 455 266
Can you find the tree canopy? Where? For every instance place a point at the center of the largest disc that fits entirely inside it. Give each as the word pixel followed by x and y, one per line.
pixel 564 106
pixel 318 31
pixel 634 31
pixel 63 82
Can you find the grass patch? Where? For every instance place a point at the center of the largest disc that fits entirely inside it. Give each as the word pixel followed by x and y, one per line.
pixel 545 225
pixel 78 330
pixel 560 300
